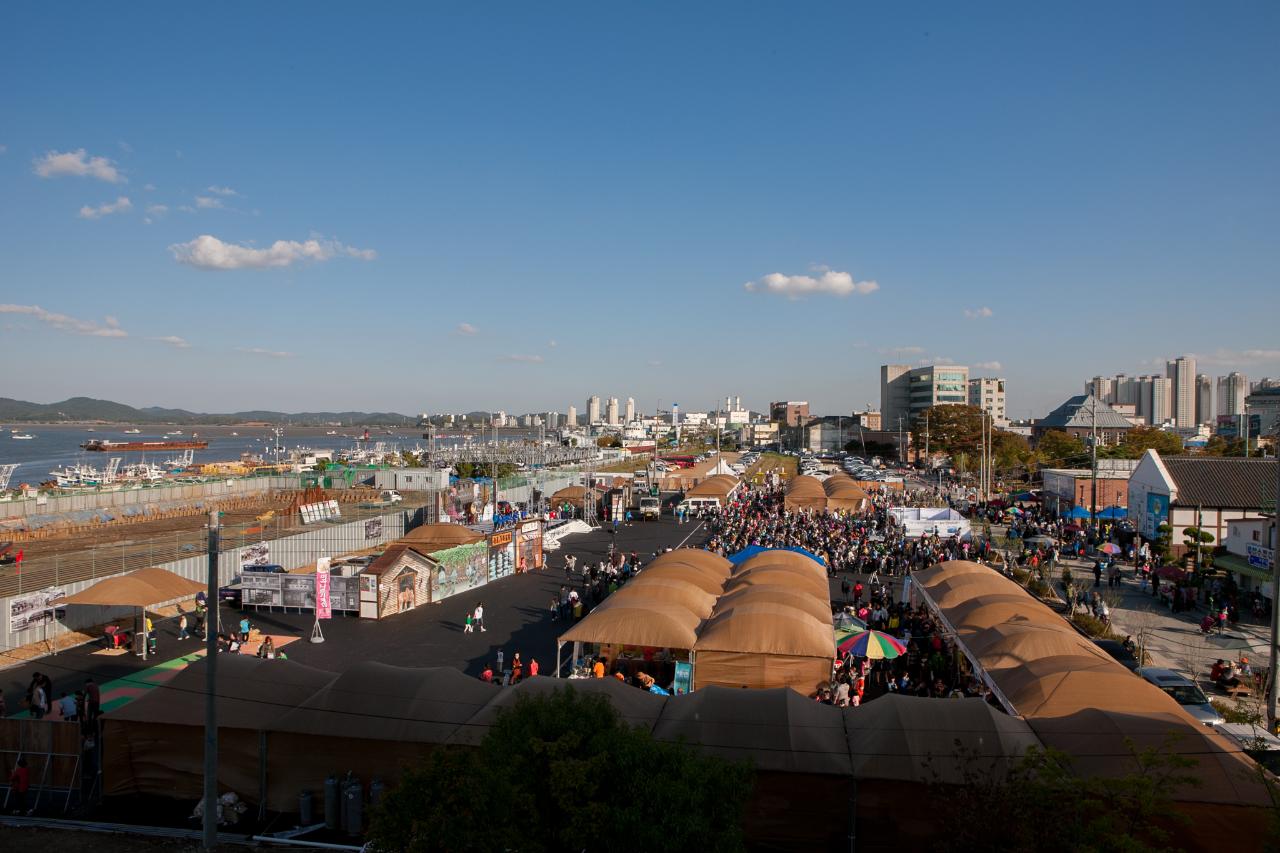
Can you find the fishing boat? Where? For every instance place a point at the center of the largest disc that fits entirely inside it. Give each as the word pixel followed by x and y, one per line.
pixel 132 431
pixel 100 445
pixel 21 436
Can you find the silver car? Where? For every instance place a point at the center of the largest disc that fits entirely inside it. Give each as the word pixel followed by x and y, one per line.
pixel 1183 691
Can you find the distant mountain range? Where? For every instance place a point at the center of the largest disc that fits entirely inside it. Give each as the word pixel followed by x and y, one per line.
pixel 108 411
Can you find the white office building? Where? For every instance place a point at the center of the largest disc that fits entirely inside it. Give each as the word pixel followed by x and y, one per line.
pixel 906 391
pixel 988 394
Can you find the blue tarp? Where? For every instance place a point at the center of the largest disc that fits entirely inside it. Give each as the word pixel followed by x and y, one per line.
pixel 1113 512
pixel 1078 512
pixel 751 550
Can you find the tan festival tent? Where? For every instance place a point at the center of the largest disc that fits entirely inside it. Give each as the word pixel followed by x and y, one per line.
pixel 737 594
pixel 572 495
pixel 707 579
pixel 762 645
pixel 142 588
pixel 660 590
pixel 960 589
pixel 1083 702
pixel 721 486
pixel 844 494
pixel 1014 644
pixel 693 557
pixel 154 745
pixel 430 538
pixel 636 707
pixel 777 730
pixel 782 558
pixel 661 626
pixel 777 575
pixel 805 492
pixel 925 740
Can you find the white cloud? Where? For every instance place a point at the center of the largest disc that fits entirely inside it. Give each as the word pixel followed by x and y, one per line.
pixel 204 202
pixel 120 205
pixel 989 365
pixel 78 163
pixel 467 329
pixel 900 351
pixel 157 209
pixel 524 359
pixel 209 253
pixel 941 359
pixel 265 353
pixel 108 328
pixel 186 208
pixel 1234 358
pixel 149 187
pixel 173 341
pixel 216 190
pixel 553 344
pixel 828 281
pixel 977 313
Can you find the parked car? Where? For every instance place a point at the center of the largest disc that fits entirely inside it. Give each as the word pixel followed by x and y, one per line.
pixel 1184 692
pixel 1117 650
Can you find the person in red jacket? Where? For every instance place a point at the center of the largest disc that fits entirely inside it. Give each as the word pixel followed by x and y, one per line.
pixel 19 784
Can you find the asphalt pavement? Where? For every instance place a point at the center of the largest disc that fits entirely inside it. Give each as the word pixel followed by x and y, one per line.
pixel 517 617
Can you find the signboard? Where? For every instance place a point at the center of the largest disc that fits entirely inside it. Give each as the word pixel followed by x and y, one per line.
pixel 30 611
pixel 373 528
pixel 298 591
pixel 1260 557
pixel 255 555
pixel 684 678
pixel 502 554
pixel 322 511
pixel 461 568
pixel 324 608
pixel 529 545
pixel 1157 513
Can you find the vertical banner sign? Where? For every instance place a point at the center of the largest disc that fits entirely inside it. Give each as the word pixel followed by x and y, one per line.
pixel 324 607
pixel 684 678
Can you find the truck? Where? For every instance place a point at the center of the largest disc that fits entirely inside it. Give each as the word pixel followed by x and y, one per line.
pixel 650 507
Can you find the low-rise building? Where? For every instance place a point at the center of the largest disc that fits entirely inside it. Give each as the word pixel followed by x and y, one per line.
pixel 1080 416
pixel 1251 554
pixel 1068 488
pixel 1204 491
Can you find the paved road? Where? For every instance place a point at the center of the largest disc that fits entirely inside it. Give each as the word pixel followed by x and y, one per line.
pixel 516 610
pixel 1174 639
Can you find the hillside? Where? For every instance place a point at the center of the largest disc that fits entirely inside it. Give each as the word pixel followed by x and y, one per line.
pixel 108 411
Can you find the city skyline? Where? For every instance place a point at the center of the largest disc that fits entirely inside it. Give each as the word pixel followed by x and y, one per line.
pixel 353 230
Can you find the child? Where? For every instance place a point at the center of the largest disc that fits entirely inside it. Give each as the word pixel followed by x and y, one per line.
pixel 467 627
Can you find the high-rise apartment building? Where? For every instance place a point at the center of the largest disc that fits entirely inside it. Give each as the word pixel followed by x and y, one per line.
pixel 1204 399
pixel 1101 387
pixel 988 395
pixel 552 420
pixel 611 412
pixel 1232 389
pixel 630 414
pixel 593 410
pixel 1157 399
pixel 1182 375
pixel 1126 391
pixel 906 391
pixel 790 413
pixel 571 417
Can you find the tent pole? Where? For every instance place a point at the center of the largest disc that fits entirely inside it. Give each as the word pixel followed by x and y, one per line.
pixel 210 823
pixel 559 647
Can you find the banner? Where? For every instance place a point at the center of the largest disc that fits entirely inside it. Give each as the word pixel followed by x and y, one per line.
pixel 684 678
pixel 29 611
pixel 256 555
pixel 324 607
pixel 373 528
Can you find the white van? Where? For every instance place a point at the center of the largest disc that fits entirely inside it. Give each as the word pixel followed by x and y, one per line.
pixel 390 496
pixel 692 505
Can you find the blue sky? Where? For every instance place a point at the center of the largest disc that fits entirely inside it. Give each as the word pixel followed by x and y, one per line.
pixel 513 206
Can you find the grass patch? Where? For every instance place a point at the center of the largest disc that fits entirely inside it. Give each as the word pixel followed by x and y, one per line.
pixel 1093 626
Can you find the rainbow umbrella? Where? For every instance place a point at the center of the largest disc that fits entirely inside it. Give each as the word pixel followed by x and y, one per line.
pixel 1109 548
pixel 874 645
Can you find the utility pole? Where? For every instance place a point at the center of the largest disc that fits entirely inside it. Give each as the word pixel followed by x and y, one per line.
pixel 1093 477
pixel 1275 610
pixel 211 692
pixel 902 450
pixel 926 437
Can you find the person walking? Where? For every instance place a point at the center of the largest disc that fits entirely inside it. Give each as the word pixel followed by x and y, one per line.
pixel 183 634
pixel 467 627
pixel 19 785
pixel 477 619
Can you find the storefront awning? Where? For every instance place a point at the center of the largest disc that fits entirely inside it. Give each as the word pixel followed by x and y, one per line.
pixel 1239 565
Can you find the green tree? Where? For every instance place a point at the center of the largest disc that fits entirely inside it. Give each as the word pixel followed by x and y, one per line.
pixel 1191 536
pixel 1140 439
pixel 950 429
pixel 1043 805
pixel 1059 448
pixel 1163 544
pixel 569 775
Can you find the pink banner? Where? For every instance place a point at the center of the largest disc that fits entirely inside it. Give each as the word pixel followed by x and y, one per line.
pixel 324 608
